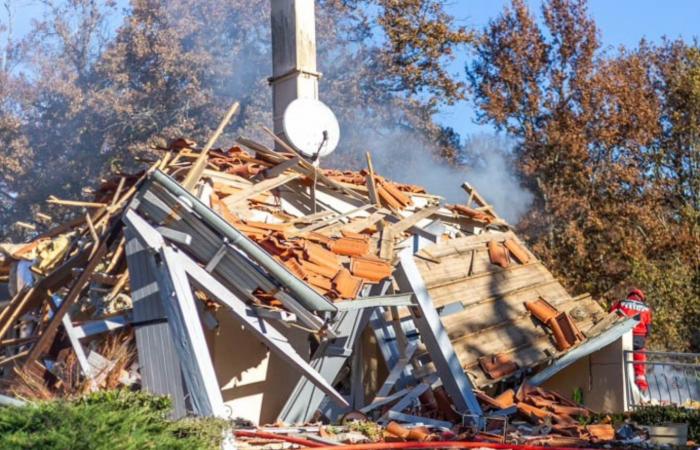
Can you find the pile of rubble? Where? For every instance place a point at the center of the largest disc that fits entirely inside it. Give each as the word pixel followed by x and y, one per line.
pixel 389 306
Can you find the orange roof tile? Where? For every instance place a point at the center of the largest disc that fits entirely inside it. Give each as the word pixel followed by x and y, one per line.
pixel 517 251
pixel 388 199
pixel 370 269
pixel 471 213
pixel 319 255
pixel 320 282
pixel 328 272
pixel 319 238
pixel 346 285
pixel 497 254
pixel 350 246
pixel 400 197
pixel 296 268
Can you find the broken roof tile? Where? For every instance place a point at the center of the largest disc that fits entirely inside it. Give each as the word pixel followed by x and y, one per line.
pixel 371 269
pixel 346 285
pixel 350 246
pixel 497 254
pixel 319 255
pixel 497 366
pixel 517 251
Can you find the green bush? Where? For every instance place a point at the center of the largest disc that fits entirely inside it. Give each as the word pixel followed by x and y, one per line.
pixel 660 415
pixel 113 420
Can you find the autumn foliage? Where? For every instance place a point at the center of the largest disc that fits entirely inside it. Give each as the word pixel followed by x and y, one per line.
pixel 609 144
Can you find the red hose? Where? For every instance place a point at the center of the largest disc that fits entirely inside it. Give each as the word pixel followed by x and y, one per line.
pixel 439 444
pixel 278 437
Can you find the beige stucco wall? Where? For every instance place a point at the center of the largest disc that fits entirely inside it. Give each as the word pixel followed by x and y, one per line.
pixel 600 376
pixel 254 383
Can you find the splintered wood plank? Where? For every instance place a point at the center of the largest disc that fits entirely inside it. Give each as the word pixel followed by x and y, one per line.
pixel 517 337
pixel 227 179
pixel 463 244
pixel 457 266
pixel 259 188
pixel 357 226
pixel 406 223
pixel 508 307
pixel 50 331
pixel 371 186
pixel 195 172
pixel 478 287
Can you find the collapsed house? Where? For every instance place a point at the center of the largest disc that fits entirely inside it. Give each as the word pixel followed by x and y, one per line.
pixel 251 284
pixel 266 288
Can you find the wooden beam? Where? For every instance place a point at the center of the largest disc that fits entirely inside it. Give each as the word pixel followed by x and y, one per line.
pixel 406 223
pixel 50 331
pixel 200 163
pixel 57 201
pixel 310 167
pixel 281 167
pixel 371 187
pixel 259 188
pixel 328 222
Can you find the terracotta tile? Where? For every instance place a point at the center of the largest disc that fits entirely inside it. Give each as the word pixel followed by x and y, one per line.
pixel 566 333
pixel 256 234
pixel 296 268
pixel 497 254
pixel 541 309
pixel 388 199
pixel 517 251
pixel 346 285
pixel 532 411
pixel 471 213
pixel 318 238
pixel 278 227
pixel 371 269
pixel 353 235
pixel 487 399
pixel 572 411
pixel 505 399
pixel 397 430
pixel 602 432
pixel 319 255
pixel 325 271
pixel 395 192
pixel 320 282
pixel 350 246
pixel 497 366
pixel 274 246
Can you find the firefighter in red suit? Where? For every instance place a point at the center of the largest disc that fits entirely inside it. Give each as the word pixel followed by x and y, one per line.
pixel 635 304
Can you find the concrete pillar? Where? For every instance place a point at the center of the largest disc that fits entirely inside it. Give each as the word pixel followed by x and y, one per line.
pixel 294 72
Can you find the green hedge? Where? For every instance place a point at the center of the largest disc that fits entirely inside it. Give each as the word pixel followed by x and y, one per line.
pixel 112 420
pixel 660 415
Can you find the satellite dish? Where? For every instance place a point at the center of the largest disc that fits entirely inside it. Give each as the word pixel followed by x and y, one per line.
pixel 311 127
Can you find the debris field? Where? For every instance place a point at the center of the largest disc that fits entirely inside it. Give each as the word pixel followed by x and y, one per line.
pixel 388 314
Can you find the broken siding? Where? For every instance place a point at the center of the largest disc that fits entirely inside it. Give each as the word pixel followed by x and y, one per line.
pixel 158 361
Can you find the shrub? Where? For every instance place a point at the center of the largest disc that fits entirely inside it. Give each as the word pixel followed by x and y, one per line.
pixel 660 415
pixel 111 420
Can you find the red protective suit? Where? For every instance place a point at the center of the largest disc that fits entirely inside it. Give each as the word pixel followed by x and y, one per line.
pixel 632 306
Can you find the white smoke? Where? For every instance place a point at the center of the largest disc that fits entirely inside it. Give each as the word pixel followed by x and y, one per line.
pixel 485 165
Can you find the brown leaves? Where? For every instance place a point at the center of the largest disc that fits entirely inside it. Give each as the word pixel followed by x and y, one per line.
pixel 607 141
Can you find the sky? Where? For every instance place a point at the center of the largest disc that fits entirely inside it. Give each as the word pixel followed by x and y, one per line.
pixel 621 22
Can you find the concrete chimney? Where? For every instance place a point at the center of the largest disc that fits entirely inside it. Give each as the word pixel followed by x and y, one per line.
pixel 294 72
